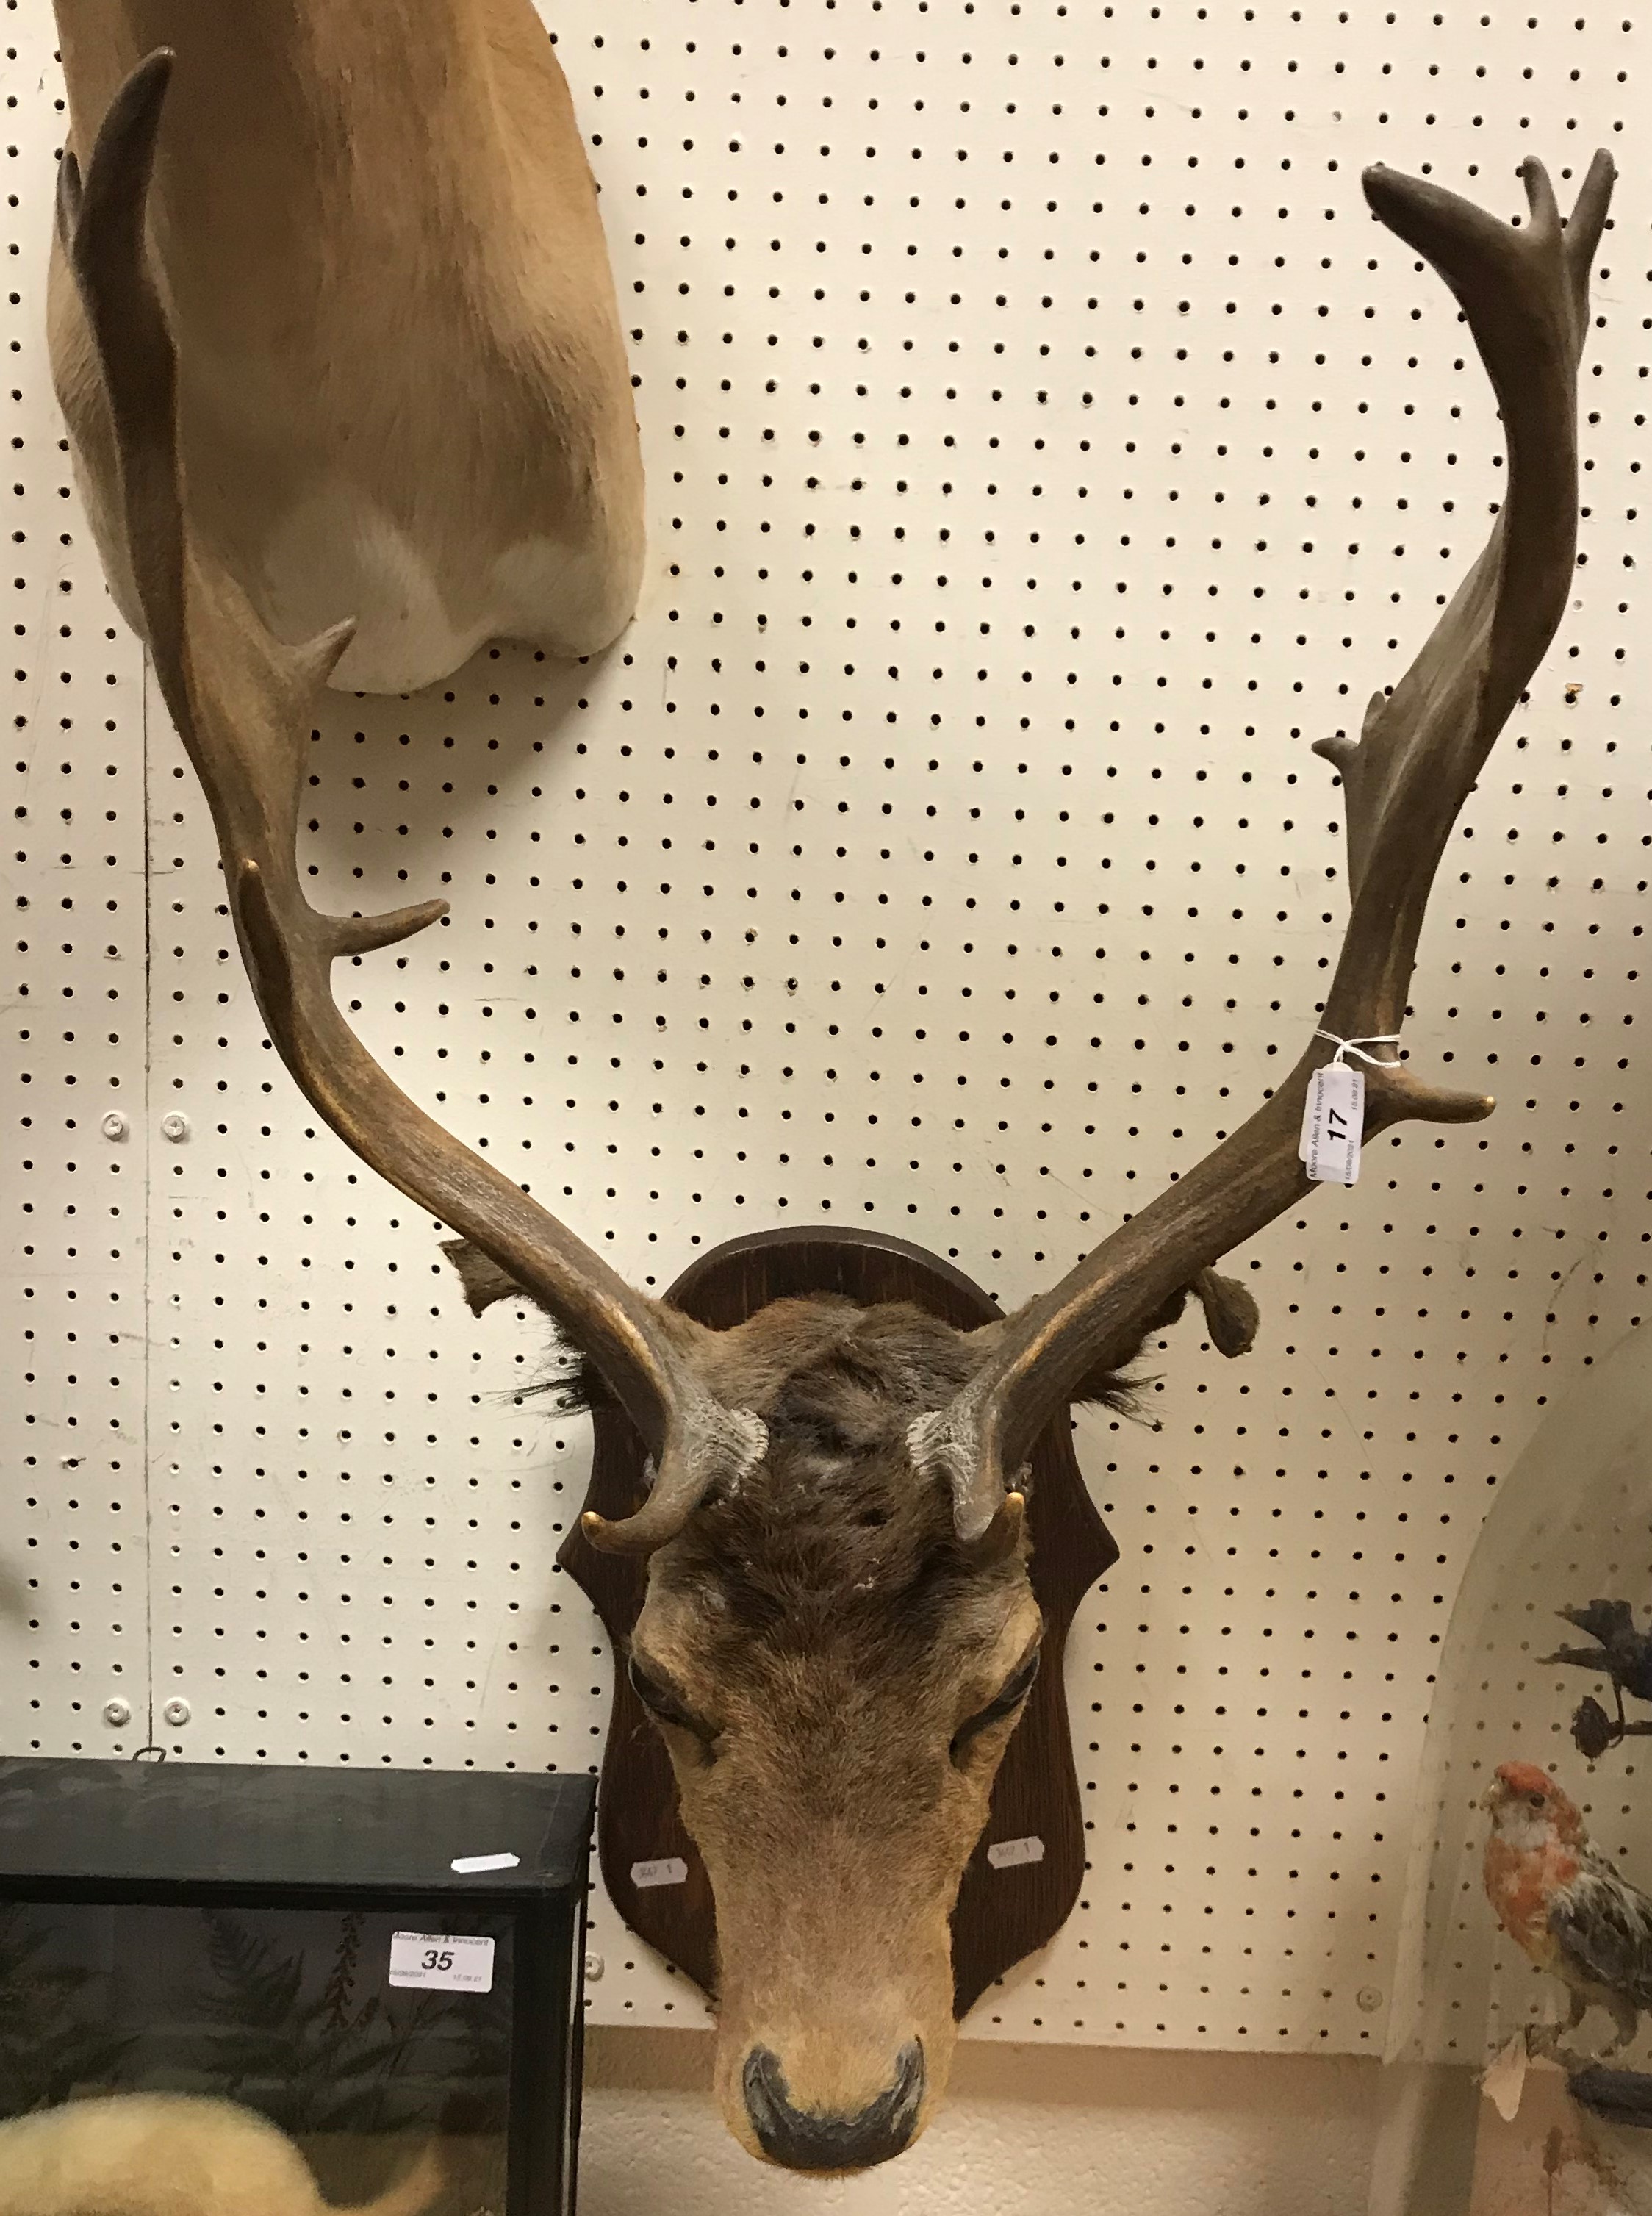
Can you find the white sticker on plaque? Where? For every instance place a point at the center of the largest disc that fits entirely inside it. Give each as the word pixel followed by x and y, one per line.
pixel 1010 1854
pixel 441 1964
pixel 672 1871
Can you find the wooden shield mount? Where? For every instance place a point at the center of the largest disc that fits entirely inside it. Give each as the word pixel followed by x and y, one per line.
pixel 1002 1914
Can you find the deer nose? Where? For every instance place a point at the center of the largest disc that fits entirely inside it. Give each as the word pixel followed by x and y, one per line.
pixel 802 2139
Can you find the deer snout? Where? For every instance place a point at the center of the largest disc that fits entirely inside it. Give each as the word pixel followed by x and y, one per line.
pixel 803 2138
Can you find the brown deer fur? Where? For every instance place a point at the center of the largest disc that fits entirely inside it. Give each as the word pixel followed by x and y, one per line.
pixel 403 389
pixel 812 1645
pixel 829 1635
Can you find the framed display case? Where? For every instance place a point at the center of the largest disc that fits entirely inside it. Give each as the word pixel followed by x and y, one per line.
pixel 364 1987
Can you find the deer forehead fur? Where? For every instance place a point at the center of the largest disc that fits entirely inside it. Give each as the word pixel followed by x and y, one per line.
pixel 829 1585
pixel 835 1387
pixel 402 388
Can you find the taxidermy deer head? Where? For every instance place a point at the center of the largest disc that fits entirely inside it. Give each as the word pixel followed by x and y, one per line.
pixel 839 1631
pixel 403 394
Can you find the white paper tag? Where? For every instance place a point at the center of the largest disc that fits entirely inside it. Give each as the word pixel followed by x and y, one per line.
pixel 671 1871
pixel 1333 1119
pixel 469 1865
pixel 1505 2077
pixel 1010 1854
pixel 441 1964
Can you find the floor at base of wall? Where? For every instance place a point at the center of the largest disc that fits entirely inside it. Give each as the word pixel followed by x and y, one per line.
pixel 1027 2131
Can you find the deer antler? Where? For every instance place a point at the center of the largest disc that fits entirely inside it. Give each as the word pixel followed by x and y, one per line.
pixel 242 703
pixel 1525 294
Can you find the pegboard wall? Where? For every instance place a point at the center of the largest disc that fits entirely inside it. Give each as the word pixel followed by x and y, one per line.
pixel 1045 447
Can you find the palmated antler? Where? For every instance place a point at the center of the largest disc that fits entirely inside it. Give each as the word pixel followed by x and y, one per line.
pixel 242 704
pixel 1525 294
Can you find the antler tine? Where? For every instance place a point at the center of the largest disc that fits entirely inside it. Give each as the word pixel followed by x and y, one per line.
pixel 1524 292
pixel 243 706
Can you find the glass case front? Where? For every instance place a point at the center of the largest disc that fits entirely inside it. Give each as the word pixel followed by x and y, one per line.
pixel 1521 2033
pixel 302 2059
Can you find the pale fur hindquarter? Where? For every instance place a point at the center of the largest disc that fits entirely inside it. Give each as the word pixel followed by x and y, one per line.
pixel 166 2154
pixel 403 394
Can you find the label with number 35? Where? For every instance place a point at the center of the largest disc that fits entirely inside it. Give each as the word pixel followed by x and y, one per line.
pixel 439 1962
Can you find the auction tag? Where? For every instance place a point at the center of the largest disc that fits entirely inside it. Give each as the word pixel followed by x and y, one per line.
pixel 1333 1117
pixel 443 1965
pixel 1504 2079
pixel 1010 1854
pixel 672 1871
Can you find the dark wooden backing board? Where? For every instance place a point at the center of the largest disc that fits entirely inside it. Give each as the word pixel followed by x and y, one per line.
pixel 1002 1914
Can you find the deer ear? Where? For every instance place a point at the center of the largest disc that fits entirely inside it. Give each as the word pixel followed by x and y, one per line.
pixel 1230 1314
pixel 484 1282
pixel 1231 1318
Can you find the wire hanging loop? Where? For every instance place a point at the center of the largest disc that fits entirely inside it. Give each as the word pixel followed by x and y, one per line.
pixel 1357 1047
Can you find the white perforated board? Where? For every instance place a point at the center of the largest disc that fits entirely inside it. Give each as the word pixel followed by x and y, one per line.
pixel 1044 449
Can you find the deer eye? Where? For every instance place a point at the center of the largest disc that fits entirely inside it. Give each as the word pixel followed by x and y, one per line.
pixel 661 1701
pixel 1015 1692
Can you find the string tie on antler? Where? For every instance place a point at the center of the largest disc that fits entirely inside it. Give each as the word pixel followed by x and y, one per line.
pixel 1357 1047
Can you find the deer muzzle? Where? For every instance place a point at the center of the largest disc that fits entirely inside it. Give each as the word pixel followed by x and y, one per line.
pixel 805 2138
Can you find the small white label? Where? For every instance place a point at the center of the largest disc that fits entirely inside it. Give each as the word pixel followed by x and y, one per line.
pixel 1504 2080
pixel 1333 1119
pixel 439 1964
pixel 468 1865
pixel 671 1871
pixel 1010 1854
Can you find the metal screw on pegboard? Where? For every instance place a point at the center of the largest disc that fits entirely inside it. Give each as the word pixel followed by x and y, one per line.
pixel 117 1714
pixel 594 1967
pixel 175 1125
pixel 1369 1999
pixel 115 1124
pixel 176 1711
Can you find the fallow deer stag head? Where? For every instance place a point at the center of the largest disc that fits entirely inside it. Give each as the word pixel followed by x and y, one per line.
pixel 402 393
pixel 840 1629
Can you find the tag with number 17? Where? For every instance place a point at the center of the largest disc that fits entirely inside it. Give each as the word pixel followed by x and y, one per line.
pixel 1333 1119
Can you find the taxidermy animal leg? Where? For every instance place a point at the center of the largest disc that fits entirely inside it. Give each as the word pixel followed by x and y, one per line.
pixel 1626 2021
pixel 1544 2042
pixel 170 2154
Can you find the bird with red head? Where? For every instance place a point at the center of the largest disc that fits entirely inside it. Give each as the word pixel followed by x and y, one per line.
pixel 1563 1903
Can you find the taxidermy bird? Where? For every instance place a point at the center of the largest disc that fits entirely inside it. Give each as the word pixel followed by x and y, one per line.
pixel 1623 1656
pixel 172 2154
pixel 1563 1904
pixel 1621 1653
